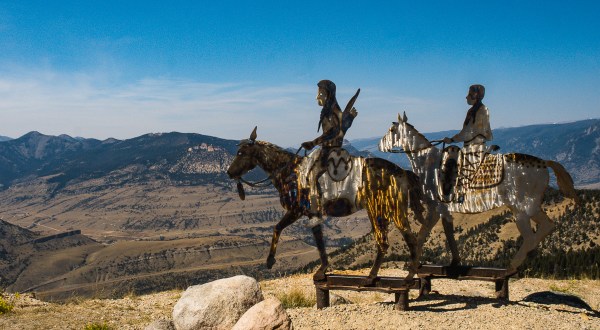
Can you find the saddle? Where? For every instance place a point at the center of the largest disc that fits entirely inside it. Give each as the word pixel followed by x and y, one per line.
pixel 470 168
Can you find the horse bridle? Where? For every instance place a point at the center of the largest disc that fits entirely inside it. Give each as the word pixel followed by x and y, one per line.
pixel 261 183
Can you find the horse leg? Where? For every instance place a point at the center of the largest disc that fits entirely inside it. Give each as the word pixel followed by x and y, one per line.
pixel 320 242
pixel 411 242
pixel 289 218
pixel 370 280
pixel 449 232
pixel 545 226
pixel 529 243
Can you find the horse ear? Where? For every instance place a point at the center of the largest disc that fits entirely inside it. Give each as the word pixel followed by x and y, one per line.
pixel 253 134
pixel 404 118
pixel 400 118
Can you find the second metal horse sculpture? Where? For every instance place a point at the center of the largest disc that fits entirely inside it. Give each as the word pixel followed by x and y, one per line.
pixel 381 187
pixel 520 186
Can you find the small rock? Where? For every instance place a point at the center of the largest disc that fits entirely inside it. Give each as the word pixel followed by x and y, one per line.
pixel 334 300
pixel 216 305
pixel 266 315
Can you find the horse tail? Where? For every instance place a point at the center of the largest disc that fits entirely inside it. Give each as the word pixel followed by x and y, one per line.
pixel 565 182
pixel 415 193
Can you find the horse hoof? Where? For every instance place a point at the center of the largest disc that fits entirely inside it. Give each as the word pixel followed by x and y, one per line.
pixel 510 272
pixel 409 278
pixel 369 281
pixel 319 276
pixel 270 262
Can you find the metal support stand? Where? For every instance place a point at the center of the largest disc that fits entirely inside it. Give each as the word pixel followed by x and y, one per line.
pixel 398 286
pixel 502 289
pixel 322 297
pixel 497 275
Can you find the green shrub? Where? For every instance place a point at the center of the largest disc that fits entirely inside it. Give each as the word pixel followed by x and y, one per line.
pixel 96 326
pixel 6 306
pixel 295 298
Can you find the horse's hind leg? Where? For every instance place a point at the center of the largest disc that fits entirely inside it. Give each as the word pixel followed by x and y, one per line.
pixel 376 265
pixel 545 226
pixel 320 242
pixel 411 242
pixel 529 241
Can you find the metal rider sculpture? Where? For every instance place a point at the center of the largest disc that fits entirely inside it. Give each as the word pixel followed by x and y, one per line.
pixel 461 164
pixel 385 190
pixel 524 180
pixel 334 123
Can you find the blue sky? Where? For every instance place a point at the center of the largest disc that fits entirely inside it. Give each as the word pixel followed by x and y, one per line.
pixel 124 68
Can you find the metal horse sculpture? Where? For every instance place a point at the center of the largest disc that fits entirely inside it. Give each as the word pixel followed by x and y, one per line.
pixel 379 186
pixel 521 185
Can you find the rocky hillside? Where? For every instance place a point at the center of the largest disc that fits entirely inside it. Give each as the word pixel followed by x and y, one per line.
pixel 181 157
pixel 575 145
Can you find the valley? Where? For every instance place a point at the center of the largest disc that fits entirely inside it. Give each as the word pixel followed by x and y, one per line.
pixel 89 218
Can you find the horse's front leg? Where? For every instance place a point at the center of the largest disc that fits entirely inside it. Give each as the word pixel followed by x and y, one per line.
pixel 411 242
pixel 449 232
pixel 320 242
pixel 289 218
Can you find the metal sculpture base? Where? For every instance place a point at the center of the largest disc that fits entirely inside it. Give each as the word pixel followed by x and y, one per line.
pixel 396 285
pixel 497 275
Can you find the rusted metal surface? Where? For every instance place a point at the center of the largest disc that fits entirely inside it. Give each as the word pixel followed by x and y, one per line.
pixel 496 275
pixel 463 272
pixel 398 286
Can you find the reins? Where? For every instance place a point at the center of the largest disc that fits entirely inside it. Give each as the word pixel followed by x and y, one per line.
pixel 408 152
pixel 258 184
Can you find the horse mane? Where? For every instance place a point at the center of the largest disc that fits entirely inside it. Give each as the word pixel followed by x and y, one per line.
pixel 271 146
pixel 276 153
pixel 417 132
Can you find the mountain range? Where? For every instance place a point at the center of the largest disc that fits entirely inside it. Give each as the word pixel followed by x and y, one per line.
pixel 181 157
pixel 65 158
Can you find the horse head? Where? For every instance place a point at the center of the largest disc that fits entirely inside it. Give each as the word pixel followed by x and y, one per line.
pixel 403 135
pixel 246 157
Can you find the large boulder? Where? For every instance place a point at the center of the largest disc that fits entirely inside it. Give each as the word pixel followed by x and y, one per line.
pixel 216 305
pixel 266 315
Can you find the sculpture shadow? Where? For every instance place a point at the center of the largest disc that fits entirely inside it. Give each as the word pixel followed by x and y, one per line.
pixel 439 303
pixel 547 298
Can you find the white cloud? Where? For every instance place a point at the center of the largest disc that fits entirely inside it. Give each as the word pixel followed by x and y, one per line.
pixel 89 105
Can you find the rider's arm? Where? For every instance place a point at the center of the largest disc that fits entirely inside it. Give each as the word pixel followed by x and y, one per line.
pixel 478 129
pixel 331 133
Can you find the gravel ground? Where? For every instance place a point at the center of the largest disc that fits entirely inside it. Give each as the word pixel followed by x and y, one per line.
pixel 453 305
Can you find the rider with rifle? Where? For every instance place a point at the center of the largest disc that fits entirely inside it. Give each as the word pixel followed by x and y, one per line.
pixel 334 123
